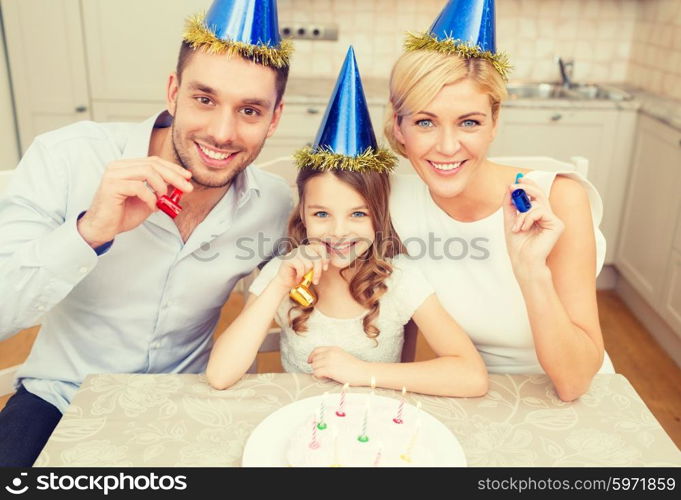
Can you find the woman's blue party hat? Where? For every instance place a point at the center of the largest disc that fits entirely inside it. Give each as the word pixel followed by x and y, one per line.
pixel 465 28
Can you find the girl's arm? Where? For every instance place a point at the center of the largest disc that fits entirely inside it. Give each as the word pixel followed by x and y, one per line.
pixel 459 371
pixel 237 347
pixel 560 288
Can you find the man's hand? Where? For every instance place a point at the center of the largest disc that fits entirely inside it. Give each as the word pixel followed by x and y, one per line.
pixel 127 195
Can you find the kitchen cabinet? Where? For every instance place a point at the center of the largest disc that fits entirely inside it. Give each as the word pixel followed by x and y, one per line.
pixel 671 308
pixel 650 222
pixel 9 152
pixel 132 46
pixel 603 136
pixel 47 60
pixel 125 111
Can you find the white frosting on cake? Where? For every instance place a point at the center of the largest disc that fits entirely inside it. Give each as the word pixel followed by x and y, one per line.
pixel 399 445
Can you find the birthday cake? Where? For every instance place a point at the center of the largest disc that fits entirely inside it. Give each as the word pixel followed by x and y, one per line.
pixel 364 431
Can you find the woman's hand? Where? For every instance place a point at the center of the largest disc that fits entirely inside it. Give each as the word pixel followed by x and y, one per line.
pixel 299 261
pixel 530 236
pixel 338 365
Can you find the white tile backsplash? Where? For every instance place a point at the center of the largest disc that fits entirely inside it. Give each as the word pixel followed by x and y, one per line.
pixel 609 40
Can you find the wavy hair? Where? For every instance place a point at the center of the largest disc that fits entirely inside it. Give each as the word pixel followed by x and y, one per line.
pixel 372 268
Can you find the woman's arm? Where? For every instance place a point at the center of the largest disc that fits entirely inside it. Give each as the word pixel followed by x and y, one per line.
pixel 560 290
pixel 459 371
pixel 237 347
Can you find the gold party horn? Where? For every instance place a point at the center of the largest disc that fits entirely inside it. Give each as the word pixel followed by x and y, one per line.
pixel 303 293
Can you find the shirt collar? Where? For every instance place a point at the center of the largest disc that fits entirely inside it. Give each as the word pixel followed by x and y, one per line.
pixel 140 135
pixel 244 184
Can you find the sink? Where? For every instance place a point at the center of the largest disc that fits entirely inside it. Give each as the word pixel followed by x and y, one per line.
pixel 602 92
pixel 536 91
pixel 574 92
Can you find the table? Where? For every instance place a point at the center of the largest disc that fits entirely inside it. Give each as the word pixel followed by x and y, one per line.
pixel 171 420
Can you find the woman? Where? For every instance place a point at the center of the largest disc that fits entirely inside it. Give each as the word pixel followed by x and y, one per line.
pixel 523 286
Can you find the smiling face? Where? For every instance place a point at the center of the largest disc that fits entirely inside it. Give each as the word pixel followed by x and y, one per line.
pixel 224 108
pixel 337 215
pixel 447 140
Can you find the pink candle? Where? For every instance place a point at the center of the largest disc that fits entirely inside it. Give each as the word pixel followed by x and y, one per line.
pixel 377 460
pixel 314 444
pixel 340 412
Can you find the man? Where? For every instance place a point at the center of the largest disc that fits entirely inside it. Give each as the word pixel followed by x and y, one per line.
pixel 118 285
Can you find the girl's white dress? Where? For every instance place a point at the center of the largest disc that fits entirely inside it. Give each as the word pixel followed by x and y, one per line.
pixel 407 289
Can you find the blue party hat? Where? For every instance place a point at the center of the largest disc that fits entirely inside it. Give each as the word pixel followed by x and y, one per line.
pixel 465 28
pixel 346 139
pixel 249 28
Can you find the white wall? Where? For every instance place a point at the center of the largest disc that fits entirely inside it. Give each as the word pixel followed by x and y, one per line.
pixel 9 155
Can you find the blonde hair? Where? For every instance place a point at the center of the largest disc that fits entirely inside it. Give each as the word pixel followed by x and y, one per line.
pixel 419 75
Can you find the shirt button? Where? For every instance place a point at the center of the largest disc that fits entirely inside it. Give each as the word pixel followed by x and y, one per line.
pixel 82 270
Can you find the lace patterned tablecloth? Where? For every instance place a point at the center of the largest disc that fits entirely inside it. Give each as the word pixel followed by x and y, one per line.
pixel 178 420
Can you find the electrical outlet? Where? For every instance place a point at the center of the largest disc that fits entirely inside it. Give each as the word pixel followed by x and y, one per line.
pixel 310 31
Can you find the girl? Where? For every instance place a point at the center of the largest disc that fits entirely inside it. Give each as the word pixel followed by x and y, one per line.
pixel 366 293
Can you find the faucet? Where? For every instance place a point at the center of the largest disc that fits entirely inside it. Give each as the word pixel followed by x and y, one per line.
pixel 565 67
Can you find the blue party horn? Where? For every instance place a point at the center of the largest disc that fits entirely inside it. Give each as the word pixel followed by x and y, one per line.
pixel 519 197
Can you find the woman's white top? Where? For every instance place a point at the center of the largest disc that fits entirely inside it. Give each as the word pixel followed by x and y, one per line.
pixel 407 289
pixel 468 265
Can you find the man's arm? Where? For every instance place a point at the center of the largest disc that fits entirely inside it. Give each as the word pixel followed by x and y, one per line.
pixel 44 251
pixel 42 255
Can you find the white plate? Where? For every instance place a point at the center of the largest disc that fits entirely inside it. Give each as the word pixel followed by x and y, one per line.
pixel 267 444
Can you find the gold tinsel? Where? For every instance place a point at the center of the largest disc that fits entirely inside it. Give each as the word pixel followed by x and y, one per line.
pixel 381 160
pixel 199 35
pixel 427 41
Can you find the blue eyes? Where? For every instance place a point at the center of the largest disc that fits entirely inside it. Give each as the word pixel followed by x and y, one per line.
pixel 425 123
pixel 470 123
pixel 322 214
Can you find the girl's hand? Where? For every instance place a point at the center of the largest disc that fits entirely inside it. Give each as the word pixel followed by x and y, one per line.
pixel 336 364
pixel 299 261
pixel 530 236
